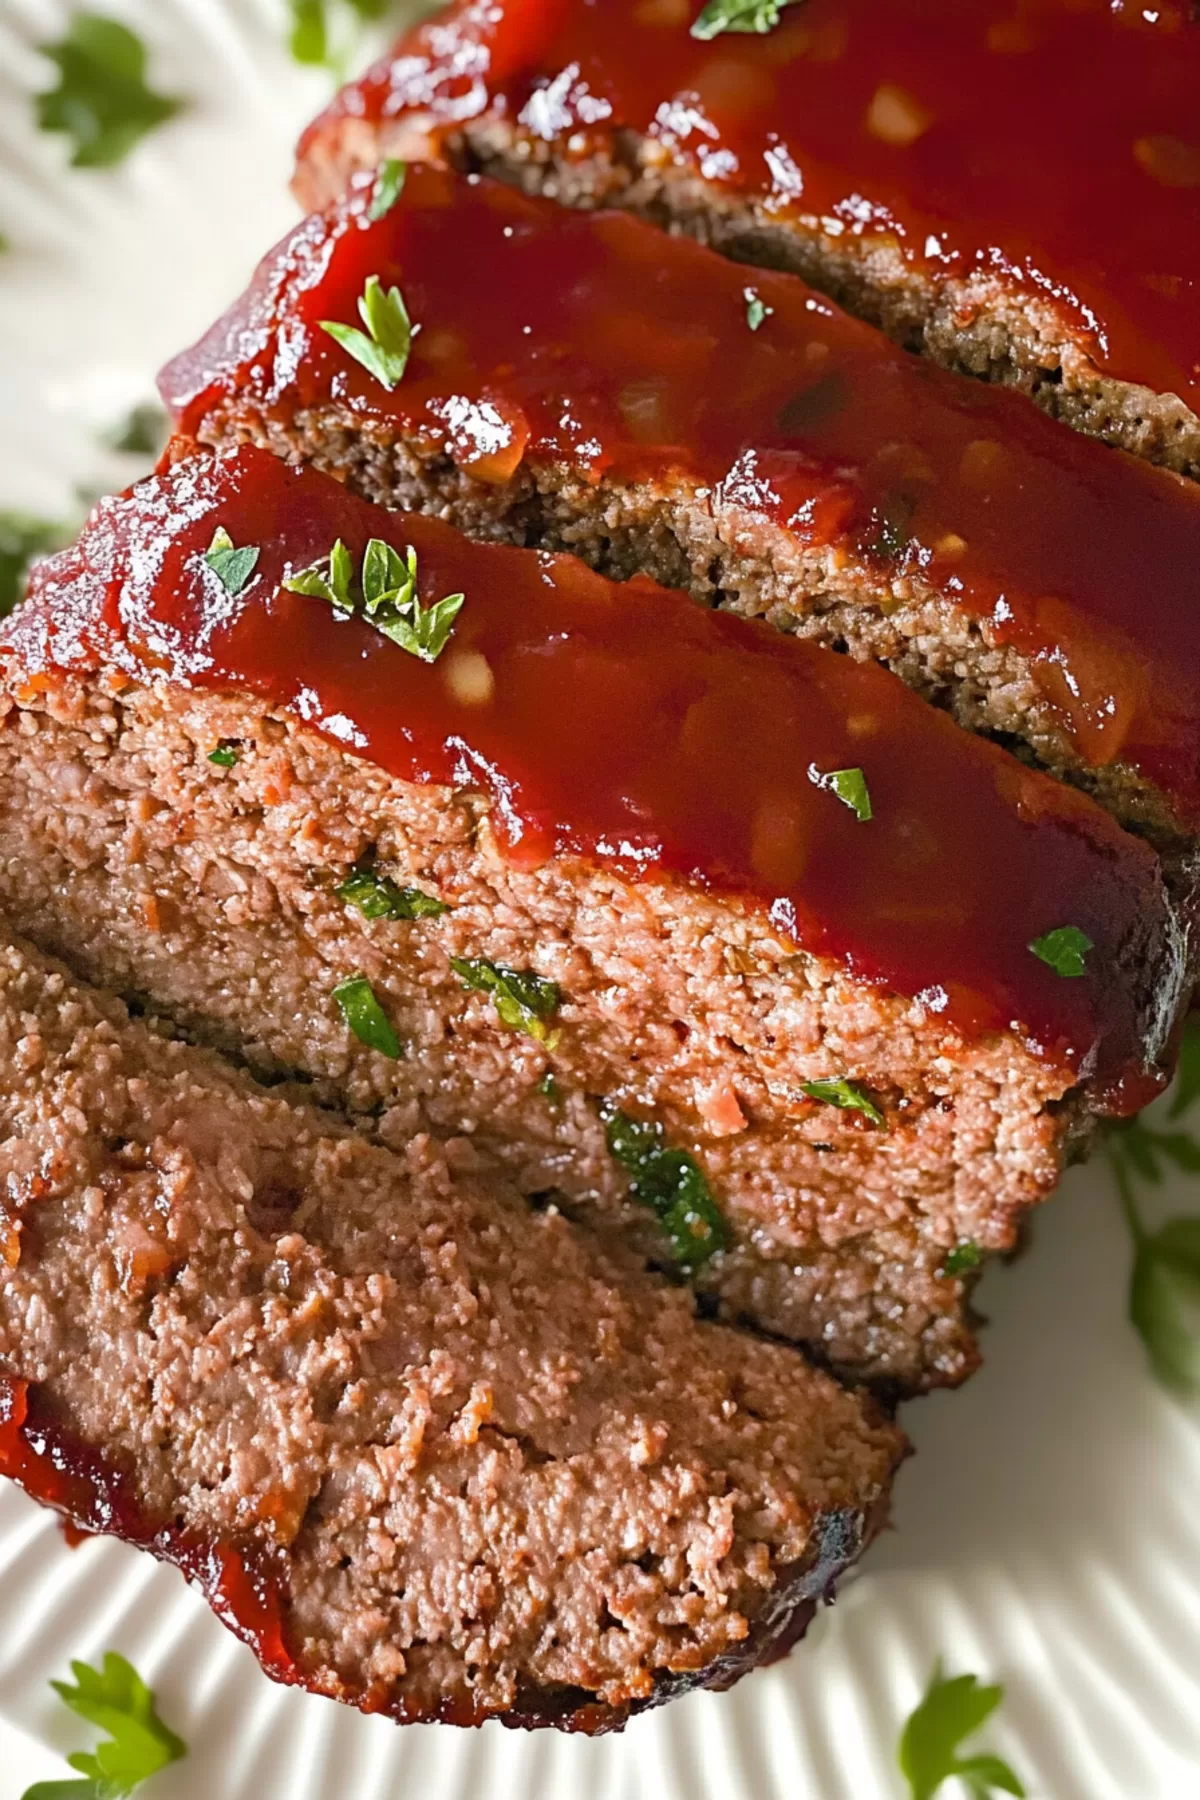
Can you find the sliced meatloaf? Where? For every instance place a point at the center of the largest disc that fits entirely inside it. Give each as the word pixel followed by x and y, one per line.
pixel 1013 189
pixel 629 397
pixel 737 946
pixel 430 1452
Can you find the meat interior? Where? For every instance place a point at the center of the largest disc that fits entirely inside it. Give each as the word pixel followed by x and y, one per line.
pixel 483 1464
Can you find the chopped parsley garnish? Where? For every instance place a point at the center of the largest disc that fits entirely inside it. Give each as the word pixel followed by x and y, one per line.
pixel 383 347
pixel 757 309
pixel 102 101
pixel 376 896
pixel 964 1257
pixel 523 1001
pixel 142 432
pixel 953 1708
pixel 232 567
pixel 670 1182
pixel 365 1017
pixel 549 1089
pixel 891 532
pixel 850 786
pixel 137 1745
pixel 389 596
pixel 1064 950
pixel 21 539
pixel 226 756
pixel 738 15
pixel 389 185
pixel 846 1096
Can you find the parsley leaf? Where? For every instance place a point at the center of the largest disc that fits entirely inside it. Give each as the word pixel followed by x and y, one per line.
pixel 738 15
pixel 1064 950
pixel 1164 1287
pixel 670 1182
pixel 225 756
pixel 378 897
pixel 390 600
pixel 142 432
pixel 757 309
pixel 21 539
pixel 389 185
pixel 850 786
pixel 523 1001
pixel 383 348
pixel 1187 1079
pixel 233 568
pixel 549 1089
pixel 846 1096
pixel 102 101
pixel 952 1709
pixel 365 1017
pixel 138 1744
pixel 310 27
pixel 964 1257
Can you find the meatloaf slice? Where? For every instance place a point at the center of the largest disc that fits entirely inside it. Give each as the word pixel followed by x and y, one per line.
pixel 736 945
pixel 628 397
pixel 474 1464
pixel 1013 190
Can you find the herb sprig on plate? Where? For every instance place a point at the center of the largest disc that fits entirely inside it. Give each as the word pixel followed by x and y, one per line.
pixel 951 1709
pixel 102 102
pixel 137 1745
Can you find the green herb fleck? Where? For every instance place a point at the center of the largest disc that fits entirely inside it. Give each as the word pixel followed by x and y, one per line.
pixel 376 896
pixel 738 15
pixel 953 1708
pixel 964 1257
pixel 383 348
pixel 523 1001
pixel 329 579
pixel 137 1744
pixel 389 185
pixel 891 531
pixel 310 27
pixel 670 1182
pixel 846 1096
pixel 549 1089
pixel 757 309
pixel 21 539
pixel 1064 950
pixel 389 596
pixel 226 756
pixel 850 786
pixel 1164 1288
pixel 142 432
pixel 365 1017
pixel 232 568
pixel 102 101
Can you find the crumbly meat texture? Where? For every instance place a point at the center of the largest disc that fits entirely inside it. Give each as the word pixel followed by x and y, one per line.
pixel 678 533
pixel 212 892
pixel 974 324
pixel 495 1464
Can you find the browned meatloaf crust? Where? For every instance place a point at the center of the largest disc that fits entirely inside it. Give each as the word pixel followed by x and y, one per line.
pixel 485 1466
pixel 614 398
pixel 1001 206
pixel 213 890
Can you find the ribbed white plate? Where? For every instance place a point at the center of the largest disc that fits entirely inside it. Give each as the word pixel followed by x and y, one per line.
pixel 1047 1534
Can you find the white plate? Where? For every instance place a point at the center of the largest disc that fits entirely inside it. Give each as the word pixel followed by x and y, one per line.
pixel 1048 1533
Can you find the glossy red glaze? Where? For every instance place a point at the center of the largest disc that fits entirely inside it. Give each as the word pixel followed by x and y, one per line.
pixel 630 727
pixel 594 341
pixel 95 1496
pixel 1055 143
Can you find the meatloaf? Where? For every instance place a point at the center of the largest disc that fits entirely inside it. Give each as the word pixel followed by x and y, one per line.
pixel 756 960
pixel 1014 190
pixel 429 1451
pixel 628 397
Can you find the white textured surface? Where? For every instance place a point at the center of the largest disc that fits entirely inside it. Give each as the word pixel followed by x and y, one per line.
pixel 1048 1534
